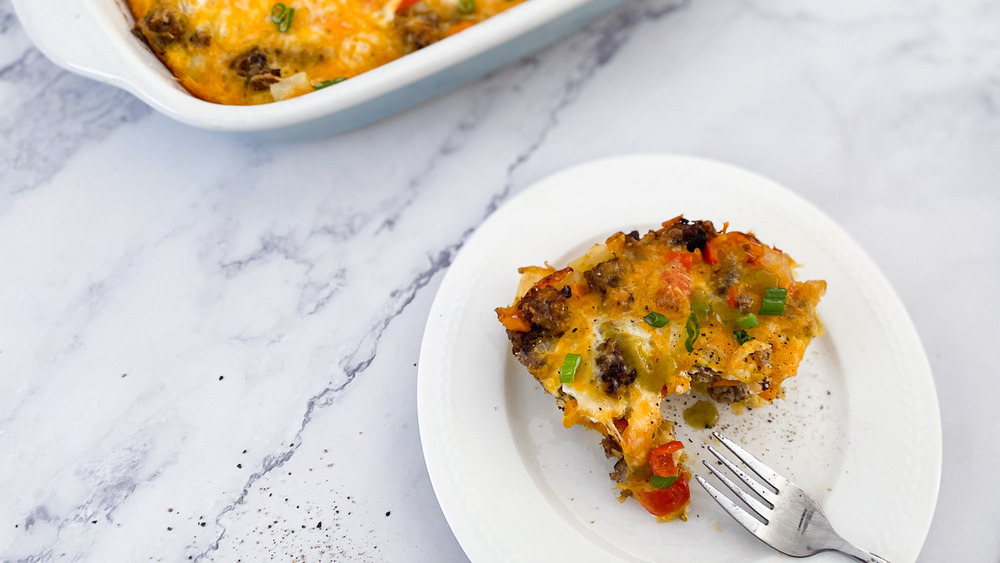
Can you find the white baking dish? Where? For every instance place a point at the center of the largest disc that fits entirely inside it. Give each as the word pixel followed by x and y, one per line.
pixel 93 38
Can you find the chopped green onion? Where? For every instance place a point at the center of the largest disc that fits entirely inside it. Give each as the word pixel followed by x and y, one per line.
pixel 774 301
pixel 568 372
pixel 656 319
pixel 287 22
pixel 748 320
pixel 281 15
pixel 693 328
pixel 466 6
pixel 662 482
pixel 278 13
pixel 742 337
pixel 331 82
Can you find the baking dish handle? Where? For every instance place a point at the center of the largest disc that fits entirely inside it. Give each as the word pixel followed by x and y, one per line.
pixel 67 33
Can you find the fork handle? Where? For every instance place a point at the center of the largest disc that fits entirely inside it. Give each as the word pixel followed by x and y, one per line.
pixel 860 554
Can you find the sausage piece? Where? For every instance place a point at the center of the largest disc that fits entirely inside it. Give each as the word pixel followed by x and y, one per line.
pixel 253 65
pixel 691 235
pixel 161 28
pixel 418 29
pixel 728 394
pixel 606 275
pixel 546 307
pixel 612 371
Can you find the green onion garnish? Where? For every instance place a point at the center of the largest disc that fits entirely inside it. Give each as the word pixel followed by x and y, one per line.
pixel 278 13
pixel 692 328
pixel 748 320
pixel 656 319
pixel 662 482
pixel 742 337
pixel 568 372
pixel 281 15
pixel 774 301
pixel 466 6
pixel 331 82
pixel 287 22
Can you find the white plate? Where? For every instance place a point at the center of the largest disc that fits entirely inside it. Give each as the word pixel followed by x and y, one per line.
pixel 859 427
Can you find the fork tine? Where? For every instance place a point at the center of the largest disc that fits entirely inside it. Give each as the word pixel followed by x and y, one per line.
pixel 769 475
pixel 753 525
pixel 754 485
pixel 746 497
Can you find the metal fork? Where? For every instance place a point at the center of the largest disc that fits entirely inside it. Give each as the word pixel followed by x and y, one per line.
pixel 788 520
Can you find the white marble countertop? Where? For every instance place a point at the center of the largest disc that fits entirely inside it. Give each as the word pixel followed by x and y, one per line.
pixel 208 342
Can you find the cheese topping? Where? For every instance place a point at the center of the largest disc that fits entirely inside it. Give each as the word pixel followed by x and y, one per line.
pixel 235 51
pixel 682 308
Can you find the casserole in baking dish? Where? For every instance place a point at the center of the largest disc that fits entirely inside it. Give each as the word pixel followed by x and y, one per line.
pixel 94 38
pixel 260 51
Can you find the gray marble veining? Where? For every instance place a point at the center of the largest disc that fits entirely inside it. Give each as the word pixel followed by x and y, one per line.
pixel 208 342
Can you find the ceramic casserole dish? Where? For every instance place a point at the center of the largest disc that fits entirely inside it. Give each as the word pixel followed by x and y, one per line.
pixel 93 38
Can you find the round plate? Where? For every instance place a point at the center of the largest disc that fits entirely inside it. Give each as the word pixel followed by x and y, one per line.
pixel 859 427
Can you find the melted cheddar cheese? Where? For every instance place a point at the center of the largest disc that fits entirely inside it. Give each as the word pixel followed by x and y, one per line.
pixel 259 51
pixel 662 314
